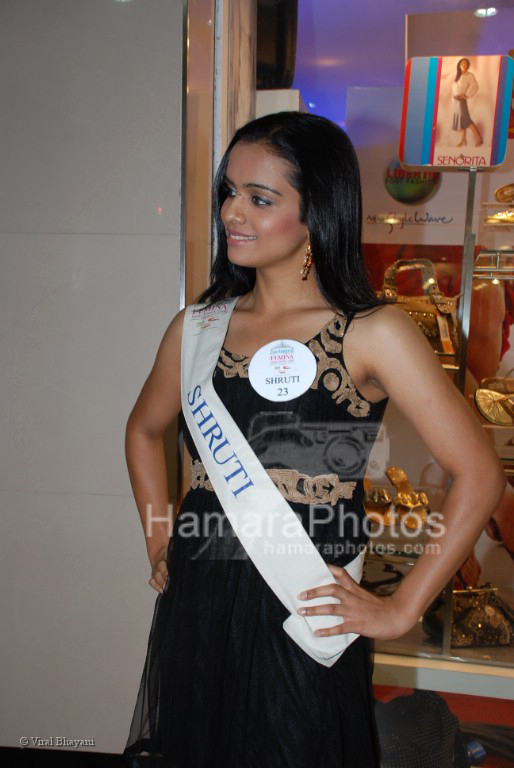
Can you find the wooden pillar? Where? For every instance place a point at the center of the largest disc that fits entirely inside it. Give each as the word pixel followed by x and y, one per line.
pixel 199 145
pixel 209 127
pixel 242 64
pixel 220 97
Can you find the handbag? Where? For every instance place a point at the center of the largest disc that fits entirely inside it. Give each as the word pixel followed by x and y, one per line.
pixel 434 313
pixel 479 618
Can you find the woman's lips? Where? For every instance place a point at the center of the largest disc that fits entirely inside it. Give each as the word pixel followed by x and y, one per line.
pixel 238 238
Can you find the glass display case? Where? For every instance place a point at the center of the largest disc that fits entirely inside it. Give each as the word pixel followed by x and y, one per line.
pixel 471 629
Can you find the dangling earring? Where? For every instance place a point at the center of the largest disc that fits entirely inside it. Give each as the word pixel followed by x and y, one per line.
pixel 307 262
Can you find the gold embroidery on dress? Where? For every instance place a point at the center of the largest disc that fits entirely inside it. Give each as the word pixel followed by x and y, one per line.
pixel 330 371
pixel 293 485
pixel 332 374
pixel 334 328
pixel 233 365
pixel 199 477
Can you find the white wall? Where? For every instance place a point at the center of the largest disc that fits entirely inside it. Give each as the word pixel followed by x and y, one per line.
pixel 267 102
pixel 90 149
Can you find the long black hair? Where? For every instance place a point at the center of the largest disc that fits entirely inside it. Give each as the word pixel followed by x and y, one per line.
pixel 325 172
pixel 459 71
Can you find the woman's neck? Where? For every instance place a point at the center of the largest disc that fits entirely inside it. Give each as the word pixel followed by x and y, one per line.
pixel 280 295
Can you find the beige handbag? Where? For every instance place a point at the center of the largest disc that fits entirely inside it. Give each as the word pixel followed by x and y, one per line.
pixel 434 313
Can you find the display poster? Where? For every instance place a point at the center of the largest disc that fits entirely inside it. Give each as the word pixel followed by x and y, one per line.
pixel 456 111
pixel 423 206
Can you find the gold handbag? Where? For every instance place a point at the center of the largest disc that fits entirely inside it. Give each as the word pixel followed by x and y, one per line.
pixel 479 618
pixel 434 313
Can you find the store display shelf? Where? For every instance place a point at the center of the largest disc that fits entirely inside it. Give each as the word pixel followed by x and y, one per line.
pixel 416 659
pixel 417 644
pixel 443 675
pixel 497 215
pixel 494 264
pixel 413 661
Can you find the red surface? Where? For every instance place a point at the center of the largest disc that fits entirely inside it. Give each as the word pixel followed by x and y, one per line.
pixel 404 109
pixel 447 260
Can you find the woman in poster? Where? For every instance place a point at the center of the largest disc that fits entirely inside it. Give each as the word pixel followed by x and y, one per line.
pixel 464 87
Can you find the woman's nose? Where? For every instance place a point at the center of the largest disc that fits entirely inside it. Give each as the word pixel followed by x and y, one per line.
pixel 233 208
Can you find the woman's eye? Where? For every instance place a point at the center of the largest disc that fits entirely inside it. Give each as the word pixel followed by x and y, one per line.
pixel 258 200
pixel 229 192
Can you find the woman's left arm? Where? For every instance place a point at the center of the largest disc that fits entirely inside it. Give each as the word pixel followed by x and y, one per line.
pixel 403 365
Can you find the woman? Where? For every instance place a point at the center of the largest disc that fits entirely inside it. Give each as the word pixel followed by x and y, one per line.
pixel 224 685
pixel 464 87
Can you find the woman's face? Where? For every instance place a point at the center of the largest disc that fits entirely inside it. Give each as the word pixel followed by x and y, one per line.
pixel 464 66
pixel 261 213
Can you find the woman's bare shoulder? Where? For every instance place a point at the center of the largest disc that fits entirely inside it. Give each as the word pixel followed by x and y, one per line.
pixel 172 338
pixel 388 333
pixel 383 321
pixel 173 333
pixel 177 321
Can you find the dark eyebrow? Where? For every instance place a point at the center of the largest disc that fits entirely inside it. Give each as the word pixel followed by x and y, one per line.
pixel 256 186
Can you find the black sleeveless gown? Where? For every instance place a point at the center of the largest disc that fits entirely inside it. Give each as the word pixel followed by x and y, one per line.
pixel 223 685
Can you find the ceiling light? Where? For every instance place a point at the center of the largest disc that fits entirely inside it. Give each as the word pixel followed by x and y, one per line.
pixel 483 12
pixel 311 104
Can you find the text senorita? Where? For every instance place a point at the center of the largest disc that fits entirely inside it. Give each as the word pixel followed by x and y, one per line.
pixel 238 478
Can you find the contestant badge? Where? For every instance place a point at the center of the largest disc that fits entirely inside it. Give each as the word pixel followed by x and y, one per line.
pixel 282 370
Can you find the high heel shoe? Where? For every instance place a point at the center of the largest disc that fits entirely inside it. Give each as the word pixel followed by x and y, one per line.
pixel 411 505
pixel 502 384
pixel 496 407
pixel 378 504
pixel 505 194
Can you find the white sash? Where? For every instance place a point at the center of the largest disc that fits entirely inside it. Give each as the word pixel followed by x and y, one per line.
pixel 265 524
